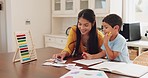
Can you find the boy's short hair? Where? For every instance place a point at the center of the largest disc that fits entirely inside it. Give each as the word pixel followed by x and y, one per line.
pixel 113 20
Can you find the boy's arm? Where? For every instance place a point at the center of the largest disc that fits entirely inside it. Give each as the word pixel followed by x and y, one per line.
pixel 86 55
pixel 111 54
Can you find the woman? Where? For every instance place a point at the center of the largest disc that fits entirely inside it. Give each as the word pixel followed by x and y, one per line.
pixel 84 39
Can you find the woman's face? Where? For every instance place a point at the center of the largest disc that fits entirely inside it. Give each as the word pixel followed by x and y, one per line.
pixel 84 26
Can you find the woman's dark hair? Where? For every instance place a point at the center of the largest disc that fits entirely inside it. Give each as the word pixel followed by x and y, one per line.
pixel 113 20
pixel 92 43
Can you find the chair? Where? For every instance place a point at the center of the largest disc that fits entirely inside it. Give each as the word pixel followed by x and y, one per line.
pixel 142 59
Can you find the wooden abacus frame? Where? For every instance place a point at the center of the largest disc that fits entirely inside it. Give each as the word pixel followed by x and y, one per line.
pixel 26 51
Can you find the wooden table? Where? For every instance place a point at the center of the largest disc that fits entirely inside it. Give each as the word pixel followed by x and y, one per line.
pixel 35 69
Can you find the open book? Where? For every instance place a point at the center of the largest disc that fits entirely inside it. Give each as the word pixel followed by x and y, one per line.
pixel 129 69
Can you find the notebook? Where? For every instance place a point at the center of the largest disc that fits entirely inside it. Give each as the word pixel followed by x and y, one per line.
pixel 129 69
pixel 89 62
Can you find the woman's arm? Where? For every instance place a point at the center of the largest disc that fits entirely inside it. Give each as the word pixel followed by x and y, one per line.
pixel 70 41
pixel 67 51
pixel 61 55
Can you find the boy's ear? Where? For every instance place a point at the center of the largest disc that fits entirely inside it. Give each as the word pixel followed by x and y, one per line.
pixel 116 27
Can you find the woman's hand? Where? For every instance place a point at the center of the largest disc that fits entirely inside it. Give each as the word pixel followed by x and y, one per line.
pixel 87 56
pixel 61 55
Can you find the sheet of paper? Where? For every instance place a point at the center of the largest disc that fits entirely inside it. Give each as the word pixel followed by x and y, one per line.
pixel 89 62
pixel 54 64
pixel 79 73
pixel 55 60
pixel 73 67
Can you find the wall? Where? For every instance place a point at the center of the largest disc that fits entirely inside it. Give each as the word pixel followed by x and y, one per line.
pixel 38 12
pixel 128 11
pixel 141 14
pixel 3 38
pixel 130 15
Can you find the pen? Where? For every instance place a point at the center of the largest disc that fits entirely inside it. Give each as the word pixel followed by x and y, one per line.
pixel 84 55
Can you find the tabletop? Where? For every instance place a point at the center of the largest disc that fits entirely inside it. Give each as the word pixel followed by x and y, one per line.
pixel 35 69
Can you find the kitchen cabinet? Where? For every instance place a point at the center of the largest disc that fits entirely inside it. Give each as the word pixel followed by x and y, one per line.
pixel 64 12
pixel 55 41
pixel 61 8
pixel 70 8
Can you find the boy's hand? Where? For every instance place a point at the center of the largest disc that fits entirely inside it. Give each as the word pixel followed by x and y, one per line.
pixel 107 37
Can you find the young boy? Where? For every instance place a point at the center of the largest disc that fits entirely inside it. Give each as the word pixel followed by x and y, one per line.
pixel 114 45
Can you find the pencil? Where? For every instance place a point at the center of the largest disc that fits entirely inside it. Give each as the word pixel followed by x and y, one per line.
pixel 109 33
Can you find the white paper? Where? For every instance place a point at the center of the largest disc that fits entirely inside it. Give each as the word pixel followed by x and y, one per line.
pixel 89 62
pixel 73 67
pixel 54 64
pixel 55 60
pixel 122 68
pixel 79 73
pixel 145 76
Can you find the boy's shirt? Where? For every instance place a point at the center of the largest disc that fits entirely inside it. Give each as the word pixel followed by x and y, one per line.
pixel 119 45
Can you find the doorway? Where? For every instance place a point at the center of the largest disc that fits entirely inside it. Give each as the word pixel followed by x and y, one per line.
pixel 3 32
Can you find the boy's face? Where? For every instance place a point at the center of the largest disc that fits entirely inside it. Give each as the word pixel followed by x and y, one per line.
pixel 107 28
